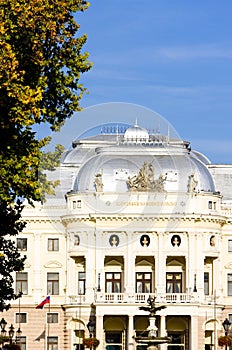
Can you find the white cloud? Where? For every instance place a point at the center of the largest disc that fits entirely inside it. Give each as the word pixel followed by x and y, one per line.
pixel 196 52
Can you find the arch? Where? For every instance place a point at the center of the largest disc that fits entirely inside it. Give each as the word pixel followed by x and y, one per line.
pixel 209 325
pixel 53 264
pixel 177 324
pixel 75 323
pixel 115 323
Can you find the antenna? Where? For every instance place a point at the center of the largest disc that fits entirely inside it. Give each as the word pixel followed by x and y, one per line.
pixel 168 133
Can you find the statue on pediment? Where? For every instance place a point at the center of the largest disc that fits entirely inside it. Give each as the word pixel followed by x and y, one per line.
pixel 98 183
pixel 145 181
pixel 192 183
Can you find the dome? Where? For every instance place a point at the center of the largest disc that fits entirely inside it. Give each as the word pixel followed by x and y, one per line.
pixel 117 168
pixel 136 134
pixel 119 158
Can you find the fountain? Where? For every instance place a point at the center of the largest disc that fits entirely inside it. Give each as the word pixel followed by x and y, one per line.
pixel 152 340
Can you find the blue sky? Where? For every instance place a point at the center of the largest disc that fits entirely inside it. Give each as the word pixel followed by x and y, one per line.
pixel 171 56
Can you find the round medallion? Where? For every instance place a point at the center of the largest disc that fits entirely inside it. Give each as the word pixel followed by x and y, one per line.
pixel 114 240
pixel 144 240
pixel 176 240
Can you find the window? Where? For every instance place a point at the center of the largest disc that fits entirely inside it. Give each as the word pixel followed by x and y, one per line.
pixel 113 340
pixel 21 282
pixel 78 340
pixel 22 243
pixel 52 343
pixel 21 341
pixel 113 282
pixel 53 244
pixel 143 282
pixel 206 283
pixel 212 205
pixel 174 282
pixel 177 341
pixel 77 204
pixel 229 284
pixel 20 317
pixel 53 283
pixel 81 282
pixel 230 245
pixel 52 317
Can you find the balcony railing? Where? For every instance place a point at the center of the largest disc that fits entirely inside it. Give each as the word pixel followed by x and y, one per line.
pixel 140 298
pixel 134 298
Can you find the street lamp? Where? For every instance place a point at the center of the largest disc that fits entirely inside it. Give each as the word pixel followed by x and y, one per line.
pixel 91 327
pixel 11 331
pixel 226 325
pixel 3 324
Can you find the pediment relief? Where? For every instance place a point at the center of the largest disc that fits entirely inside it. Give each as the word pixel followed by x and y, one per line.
pixel 144 263
pixel 53 264
pixel 113 263
pixel 174 263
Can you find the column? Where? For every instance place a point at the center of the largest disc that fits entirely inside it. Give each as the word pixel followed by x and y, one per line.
pixel 100 257
pixel 163 331
pixel 194 332
pixel 160 266
pixel 37 282
pixel 217 280
pixel 200 267
pixel 131 341
pixel 100 333
pixel 191 268
pixel 129 266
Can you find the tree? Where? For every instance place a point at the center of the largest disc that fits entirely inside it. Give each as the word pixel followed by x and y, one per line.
pixel 41 62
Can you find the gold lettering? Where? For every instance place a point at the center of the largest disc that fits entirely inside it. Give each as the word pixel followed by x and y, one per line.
pixel 160 204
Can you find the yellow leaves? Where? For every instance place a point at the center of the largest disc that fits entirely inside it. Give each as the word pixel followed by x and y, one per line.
pixel 40 67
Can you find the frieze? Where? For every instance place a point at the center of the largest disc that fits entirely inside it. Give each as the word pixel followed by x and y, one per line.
pixel 142 203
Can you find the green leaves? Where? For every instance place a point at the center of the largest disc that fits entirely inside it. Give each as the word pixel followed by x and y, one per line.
pixel 41 62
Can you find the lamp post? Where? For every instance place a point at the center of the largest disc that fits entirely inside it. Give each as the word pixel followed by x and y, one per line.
pixel 3 324
pixel 11 332
pixel 91 328
pixel 226 325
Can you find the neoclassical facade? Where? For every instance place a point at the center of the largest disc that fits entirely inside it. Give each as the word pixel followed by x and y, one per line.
pixel 137 213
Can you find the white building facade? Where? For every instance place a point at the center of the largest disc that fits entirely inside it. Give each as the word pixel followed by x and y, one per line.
pixel 137 214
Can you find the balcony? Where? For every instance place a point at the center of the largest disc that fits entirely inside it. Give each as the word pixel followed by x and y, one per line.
pixel 138 298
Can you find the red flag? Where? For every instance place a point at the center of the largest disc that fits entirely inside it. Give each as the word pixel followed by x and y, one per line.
pixel 45 301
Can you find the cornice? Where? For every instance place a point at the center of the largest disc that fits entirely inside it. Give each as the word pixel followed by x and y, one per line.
pixel 194 219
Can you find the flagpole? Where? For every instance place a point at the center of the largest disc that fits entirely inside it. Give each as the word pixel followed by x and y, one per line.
pixel 45 337
pixel 49 310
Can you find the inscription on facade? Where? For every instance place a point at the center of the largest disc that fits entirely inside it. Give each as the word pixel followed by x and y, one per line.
pixel 142 203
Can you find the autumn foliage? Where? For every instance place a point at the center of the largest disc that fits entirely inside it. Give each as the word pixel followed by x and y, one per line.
pixel 41 62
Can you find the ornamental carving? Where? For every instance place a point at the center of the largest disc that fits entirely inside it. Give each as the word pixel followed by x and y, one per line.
pixel 114 240
pixel 98 183
pixel 176 240
pixel 144 240
pixel 192 183
pixel 145 181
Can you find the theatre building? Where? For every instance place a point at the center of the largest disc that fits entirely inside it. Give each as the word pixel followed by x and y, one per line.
pixel 137 214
